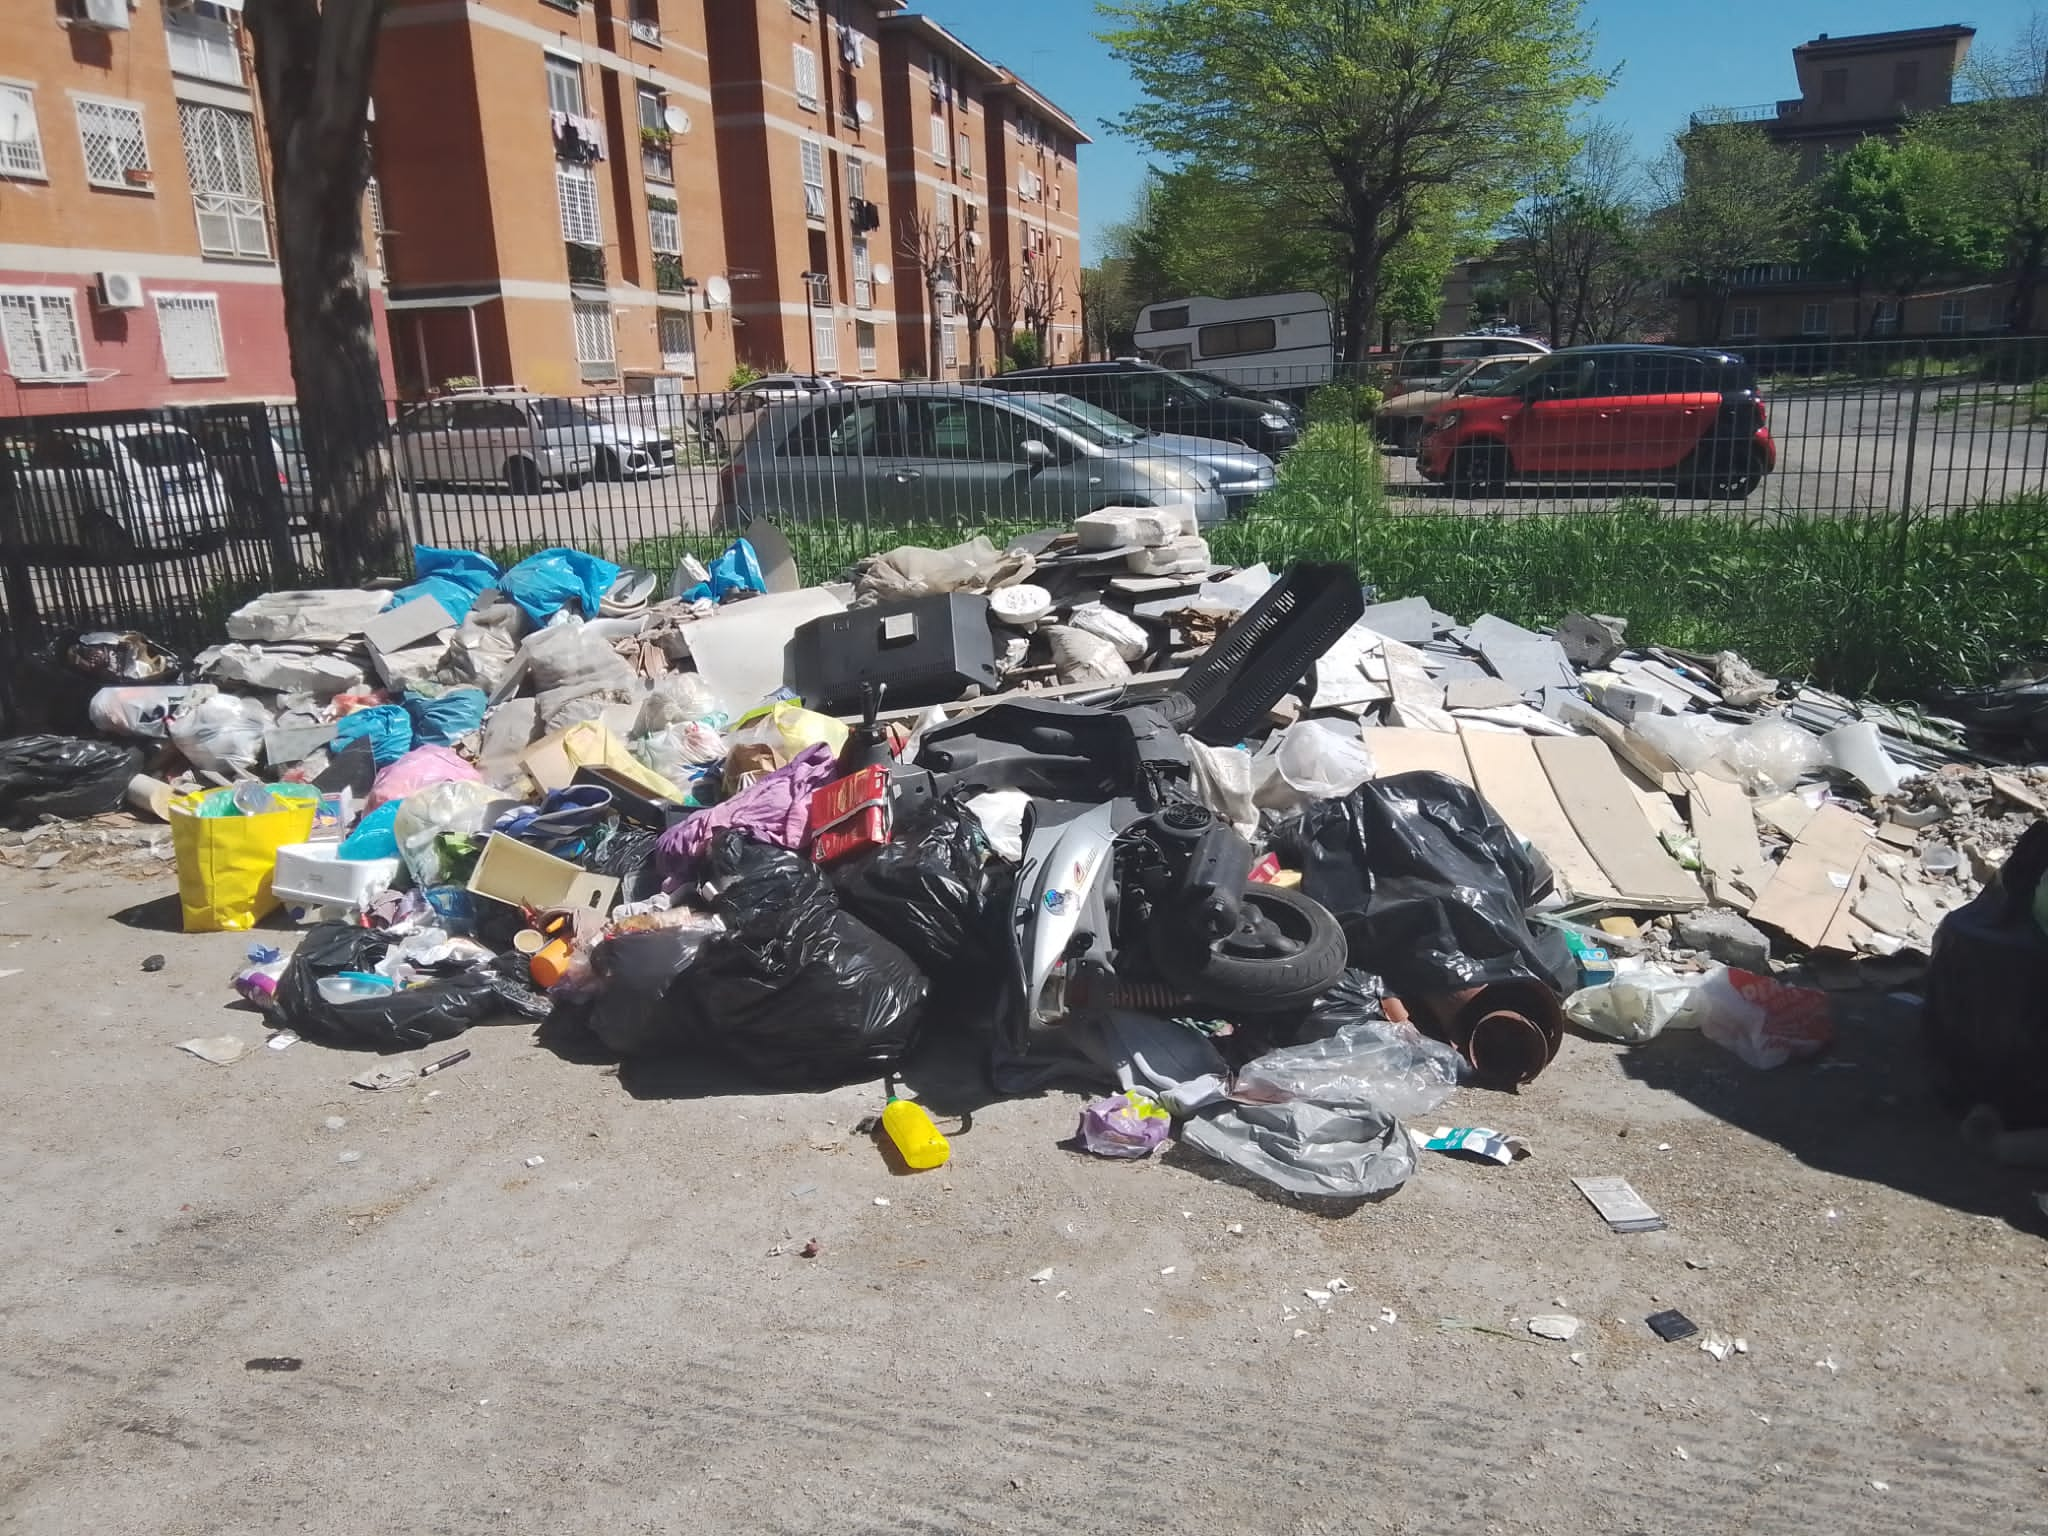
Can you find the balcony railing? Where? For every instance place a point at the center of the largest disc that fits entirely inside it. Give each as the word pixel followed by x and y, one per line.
pixel 1770 274
pixel 586 264
pixel 643 31
pixel 668 273
pixel 863 293
pixel 820 287
pixel 202 47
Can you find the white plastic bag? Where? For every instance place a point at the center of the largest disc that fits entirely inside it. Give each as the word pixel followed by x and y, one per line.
pixel 1759 1018
pixel 679 698
pixel 1223 782
pixel 1636 1006
pixel 1120 630
pixel 1085 658
pixel 146 711
pixel 459 807
pixel 1308 761
pixel 223 734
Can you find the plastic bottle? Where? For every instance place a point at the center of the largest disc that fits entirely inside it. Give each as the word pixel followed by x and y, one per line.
pixel 254 799
pixel 918 1140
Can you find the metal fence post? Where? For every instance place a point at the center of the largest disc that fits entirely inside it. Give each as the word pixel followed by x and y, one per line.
pixel 1913 437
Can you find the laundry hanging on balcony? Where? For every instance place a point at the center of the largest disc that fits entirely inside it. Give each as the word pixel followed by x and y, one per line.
pixel 577 138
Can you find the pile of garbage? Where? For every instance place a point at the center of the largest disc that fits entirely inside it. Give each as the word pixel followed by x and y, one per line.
pixel 1273 867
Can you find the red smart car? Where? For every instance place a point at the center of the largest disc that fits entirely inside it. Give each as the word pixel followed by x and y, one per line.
pixel 1611 413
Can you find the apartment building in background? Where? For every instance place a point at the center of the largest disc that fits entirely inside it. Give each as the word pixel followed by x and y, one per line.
pixel 983 172
pixel 1850 88
pixel 137 244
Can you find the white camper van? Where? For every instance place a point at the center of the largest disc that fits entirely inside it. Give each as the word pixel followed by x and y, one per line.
pixel 1276 342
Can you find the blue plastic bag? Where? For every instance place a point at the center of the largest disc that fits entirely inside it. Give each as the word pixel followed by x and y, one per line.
pixel 544 584
pixel 440 722
pixel 453 577
pixel 737 570
pixel 373 837
pixel 386 727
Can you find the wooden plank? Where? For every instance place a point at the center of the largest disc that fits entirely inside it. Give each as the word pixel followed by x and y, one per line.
pixel 1725 826
pixel 1507 774
pixel 1604 811
pixel 1815 877
pixel 1398 750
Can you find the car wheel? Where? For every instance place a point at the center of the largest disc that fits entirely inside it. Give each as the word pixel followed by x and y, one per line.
pixel 522 477
pixel 1723 471
pixel 1481 470
pixel 571 482
pixel 608 466
pixel 1287 952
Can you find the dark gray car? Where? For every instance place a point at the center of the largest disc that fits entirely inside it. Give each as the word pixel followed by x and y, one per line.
pixel 904 453
pixel 1241 473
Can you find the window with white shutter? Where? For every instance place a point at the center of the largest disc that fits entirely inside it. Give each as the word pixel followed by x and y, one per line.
pixel 814 179
pixel 188 324
pixel 664 230
pixel 864 343
pixel 863 274
pixel 939 138
pixel 825 331
pixel 227 182
pixel 804 62
pixel 949 345
pixel 576 190
pixel 110 132
pixel 964 152
pixel 856 178
pixel 565 85
pixel 678 341
pixel 21 140
pixel 596 350
pixel 39 327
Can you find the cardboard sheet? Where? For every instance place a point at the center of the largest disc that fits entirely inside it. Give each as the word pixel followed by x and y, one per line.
pixel 1813 882
pixel 1602 807
pixel 739 648
pixel 1505 771
pixel 1395 750
pixel 1725 826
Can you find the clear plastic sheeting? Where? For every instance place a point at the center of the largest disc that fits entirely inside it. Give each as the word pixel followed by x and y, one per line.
pixel 1374 1064
pixel 1310 762
pixel 1636 1006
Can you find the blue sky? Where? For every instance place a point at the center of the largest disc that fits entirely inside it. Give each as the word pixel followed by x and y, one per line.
pixel 1674 56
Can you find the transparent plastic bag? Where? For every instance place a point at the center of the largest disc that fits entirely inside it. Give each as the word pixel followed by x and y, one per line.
pixel 679 698
pixel 1120 630
pixel 1309 762
pixel 1084 658
pixel 223 734
pixel 456 809
pixel 1374 1062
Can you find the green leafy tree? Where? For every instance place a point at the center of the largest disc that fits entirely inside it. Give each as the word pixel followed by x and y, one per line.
pixel 1577 242
pixel 1998 141
pixel 1888 220
pixel 1199 230
pixel 1359 116
pixel 1731 199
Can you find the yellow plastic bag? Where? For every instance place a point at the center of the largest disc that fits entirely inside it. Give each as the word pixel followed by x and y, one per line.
pixel 225 859
pixel 787 729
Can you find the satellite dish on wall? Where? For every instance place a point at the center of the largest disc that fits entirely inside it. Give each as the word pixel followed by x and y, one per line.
pixel 883 277
pixel 864 111
pixel 677 119
pixel 718 293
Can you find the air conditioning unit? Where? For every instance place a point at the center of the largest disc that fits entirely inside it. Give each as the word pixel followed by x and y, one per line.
pixel 102 15
pixel 118 290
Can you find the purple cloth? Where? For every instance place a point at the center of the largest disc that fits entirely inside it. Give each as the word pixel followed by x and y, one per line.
pixel 774 809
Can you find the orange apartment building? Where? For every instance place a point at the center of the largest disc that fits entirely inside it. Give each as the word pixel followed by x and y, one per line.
pixel 988 168
pixel 137 247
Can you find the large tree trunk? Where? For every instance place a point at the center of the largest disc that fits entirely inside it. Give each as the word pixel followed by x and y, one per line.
pixel 1362 296
pixel 2027 282
pixel 934 369
pixel 313 65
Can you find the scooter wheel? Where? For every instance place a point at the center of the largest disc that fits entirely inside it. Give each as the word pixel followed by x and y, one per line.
pixel 1287 953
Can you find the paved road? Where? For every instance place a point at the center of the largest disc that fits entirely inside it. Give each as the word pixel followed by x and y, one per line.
pixel 551 1297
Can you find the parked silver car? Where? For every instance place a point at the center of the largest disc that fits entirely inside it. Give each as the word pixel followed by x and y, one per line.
pixel 1241 473
pixel 899 453
pixel 504 437
pixel 133 485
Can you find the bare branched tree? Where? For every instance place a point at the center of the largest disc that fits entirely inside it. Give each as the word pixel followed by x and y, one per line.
pixel 313 64
pixel 1039 295
pixel 959 278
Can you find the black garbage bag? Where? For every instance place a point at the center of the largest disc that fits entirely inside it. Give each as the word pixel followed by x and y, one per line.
pixel 1430 886
pixel 1986 1018
pixel 797 992
pixel 634 1014
pixel 1359 997
pixel 436 1010
pixel 2010 717
pixel 927 890
pixel 68 776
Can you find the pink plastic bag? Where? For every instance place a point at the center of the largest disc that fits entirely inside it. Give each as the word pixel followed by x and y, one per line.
pixel 416 770
pixel 1763 1021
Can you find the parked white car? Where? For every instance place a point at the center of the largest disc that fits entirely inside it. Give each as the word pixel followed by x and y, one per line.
pixel 505 437
pixel 132 485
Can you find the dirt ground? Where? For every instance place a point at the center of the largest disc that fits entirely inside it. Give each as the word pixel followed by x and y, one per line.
pixel 549 1296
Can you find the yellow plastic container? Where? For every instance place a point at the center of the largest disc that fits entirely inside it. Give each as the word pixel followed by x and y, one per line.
pixel 916 1138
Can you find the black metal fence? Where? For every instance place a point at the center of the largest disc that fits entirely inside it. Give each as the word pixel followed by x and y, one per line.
pixel 163 520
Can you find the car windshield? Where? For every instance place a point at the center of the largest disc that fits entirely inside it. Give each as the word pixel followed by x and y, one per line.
pixel 1201 387
pixel 287 437
pixel 1103 428
pixel 1513 381
pixel 563 413
pixel 159 450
